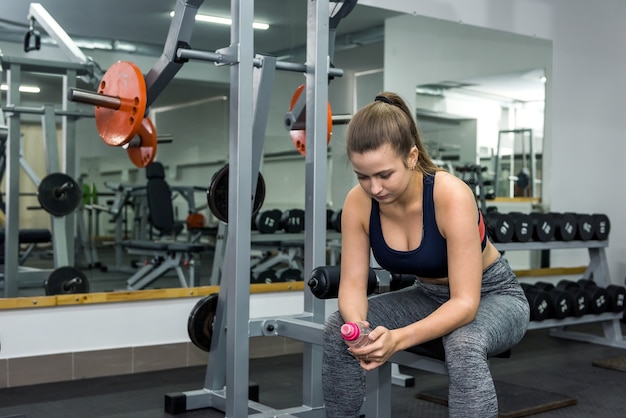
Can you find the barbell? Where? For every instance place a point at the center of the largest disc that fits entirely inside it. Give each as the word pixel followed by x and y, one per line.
pixel 120 107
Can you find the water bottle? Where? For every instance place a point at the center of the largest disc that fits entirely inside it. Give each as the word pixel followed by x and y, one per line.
pixel 355 335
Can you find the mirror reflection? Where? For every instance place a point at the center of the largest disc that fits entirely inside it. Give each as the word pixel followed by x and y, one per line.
pixel 475 115
pixel 494 122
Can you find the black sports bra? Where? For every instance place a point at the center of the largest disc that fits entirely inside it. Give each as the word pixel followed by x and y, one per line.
pixel 430 259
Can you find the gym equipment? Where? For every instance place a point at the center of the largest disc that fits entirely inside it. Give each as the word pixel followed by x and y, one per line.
pixel 120 103
pixel 614 294
pixel 29 237
pixel 165 254
pixel 227 379
pixel 335 220
pixel 64 280
pixel 562 302
pixel 597 296
pixel 267 221
pixel 62 227
pixel 601 226
pixel 59 194
pixel 120 106
pixel 617 296
pixel 565 225
pixel 522 226
pixel 500 225
pixel 297 127
pixel 292 221
pixel 584 231
pixel 582 300
pixel 265 276
pixel 543 226
pixel 539 301
pixel 217 194
pixel 290 275
pixel 200 322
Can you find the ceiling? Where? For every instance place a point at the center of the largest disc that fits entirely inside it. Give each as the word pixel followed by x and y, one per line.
pixel 147 21
pixel 145 24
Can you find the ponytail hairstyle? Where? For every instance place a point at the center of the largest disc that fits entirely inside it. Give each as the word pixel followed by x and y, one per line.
pixel 387 120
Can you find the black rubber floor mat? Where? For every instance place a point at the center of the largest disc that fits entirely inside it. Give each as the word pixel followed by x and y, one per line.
pixel 513 401
pixel 613 363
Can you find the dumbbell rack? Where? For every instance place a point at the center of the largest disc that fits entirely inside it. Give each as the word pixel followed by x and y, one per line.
pixel 598 270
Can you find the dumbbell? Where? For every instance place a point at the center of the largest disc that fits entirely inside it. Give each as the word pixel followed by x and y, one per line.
pixel 539 301
pixel 585 230
pixel 522 226
pixel 582 300
pixel 501 226
pixel 267 221
pixel 292 221
pixel 598 297
pixel 335 220
pixel 562 302
pixel 543 226
pixel 601 226
pixel 565 226
pixel 601 300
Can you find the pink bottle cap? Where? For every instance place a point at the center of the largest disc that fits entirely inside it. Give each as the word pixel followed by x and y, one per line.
pixel 350 331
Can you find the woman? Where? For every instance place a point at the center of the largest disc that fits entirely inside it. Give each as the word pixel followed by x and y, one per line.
pixel 417 219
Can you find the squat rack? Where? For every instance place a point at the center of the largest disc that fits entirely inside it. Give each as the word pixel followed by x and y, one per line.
pixel 62 227
pixel 227 379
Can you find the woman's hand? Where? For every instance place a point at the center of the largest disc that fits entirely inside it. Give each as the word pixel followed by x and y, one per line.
pixel 381 347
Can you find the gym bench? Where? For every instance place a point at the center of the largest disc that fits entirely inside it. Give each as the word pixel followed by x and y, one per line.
pixel 166 254
pixel 29 237
pixel 429 356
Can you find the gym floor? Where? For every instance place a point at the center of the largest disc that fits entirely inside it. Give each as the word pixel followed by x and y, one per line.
pixel 539 362
pixel 550 365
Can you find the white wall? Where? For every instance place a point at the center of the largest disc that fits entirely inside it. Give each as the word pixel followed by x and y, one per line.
pixel 585 98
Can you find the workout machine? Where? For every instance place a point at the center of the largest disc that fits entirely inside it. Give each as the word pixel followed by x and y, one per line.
pixel 166 254
pixel 226 383
pixel 58 193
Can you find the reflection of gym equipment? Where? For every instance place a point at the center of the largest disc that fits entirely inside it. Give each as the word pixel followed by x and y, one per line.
pixel 525 181
pixel 165 255
pixel 57 193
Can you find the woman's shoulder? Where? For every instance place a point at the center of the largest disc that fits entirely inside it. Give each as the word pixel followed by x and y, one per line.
pixel 449 187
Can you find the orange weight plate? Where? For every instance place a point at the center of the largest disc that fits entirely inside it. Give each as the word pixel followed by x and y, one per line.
pixel 144 154
pixel 125 81
pixel 298 136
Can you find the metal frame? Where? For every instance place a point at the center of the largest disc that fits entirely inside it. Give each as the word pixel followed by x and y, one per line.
pixel 62 227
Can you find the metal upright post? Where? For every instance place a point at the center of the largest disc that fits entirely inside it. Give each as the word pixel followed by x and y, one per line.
pixel 317 64
pixel 11 246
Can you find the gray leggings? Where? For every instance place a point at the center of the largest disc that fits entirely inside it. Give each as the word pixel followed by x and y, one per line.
pixel 500 324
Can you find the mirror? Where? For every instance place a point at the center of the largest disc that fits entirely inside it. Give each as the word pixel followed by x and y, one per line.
pixel 495 122
pixel 442 68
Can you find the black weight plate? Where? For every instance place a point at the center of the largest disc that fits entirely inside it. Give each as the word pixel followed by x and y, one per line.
pixel 65 280
pixel 200 322
pixel 59 194
pixel 217 194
